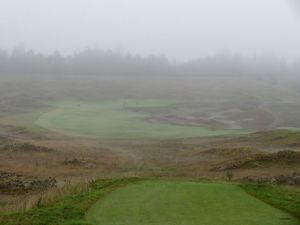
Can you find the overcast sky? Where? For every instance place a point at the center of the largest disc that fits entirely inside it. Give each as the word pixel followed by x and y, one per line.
pixel 180 29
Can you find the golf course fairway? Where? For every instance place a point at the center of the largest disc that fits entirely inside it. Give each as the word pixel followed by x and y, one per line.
pixel 184 203
pixel 113 119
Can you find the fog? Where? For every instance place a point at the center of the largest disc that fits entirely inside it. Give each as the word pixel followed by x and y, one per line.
pixel 181 30
pixel 125 90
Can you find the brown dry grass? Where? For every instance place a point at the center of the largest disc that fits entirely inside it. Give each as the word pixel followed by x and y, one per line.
pixel 168 158
pixel 26 202
pixel 51 163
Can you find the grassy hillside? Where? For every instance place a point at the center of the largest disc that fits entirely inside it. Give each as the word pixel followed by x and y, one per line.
pixel 287 198
pixel 283 137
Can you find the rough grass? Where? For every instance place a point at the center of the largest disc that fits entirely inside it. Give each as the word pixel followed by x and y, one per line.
pixel 289 138
pixel 123 201
pixel 69 210
pixel 177 202
pixel 27 202
pixel 286 159
pixel 113 119
pixel 286 198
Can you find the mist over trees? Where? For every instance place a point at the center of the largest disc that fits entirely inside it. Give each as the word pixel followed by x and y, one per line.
pixel 110 63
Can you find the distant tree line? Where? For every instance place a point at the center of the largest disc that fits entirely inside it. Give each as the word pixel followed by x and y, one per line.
pixel 110 63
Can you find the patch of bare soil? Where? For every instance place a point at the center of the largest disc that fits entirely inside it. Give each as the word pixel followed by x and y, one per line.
pixel 11 183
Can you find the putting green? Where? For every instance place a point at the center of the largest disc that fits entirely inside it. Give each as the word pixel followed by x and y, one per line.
pixel 113 119
pixel 184 203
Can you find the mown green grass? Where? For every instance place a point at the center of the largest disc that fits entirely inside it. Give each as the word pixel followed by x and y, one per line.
pixel 126 201
pixel 286 198
pixel 112 119
pixel 69 210
pixel 178 202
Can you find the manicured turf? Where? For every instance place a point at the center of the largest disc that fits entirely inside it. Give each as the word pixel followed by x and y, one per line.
pixel 112 119
pixel 188 203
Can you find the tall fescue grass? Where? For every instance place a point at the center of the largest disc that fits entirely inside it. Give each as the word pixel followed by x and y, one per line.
pixel 36 200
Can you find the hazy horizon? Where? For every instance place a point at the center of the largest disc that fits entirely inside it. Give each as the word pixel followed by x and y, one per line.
pixel 180 30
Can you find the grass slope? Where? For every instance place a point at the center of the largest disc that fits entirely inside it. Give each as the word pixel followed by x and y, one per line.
pixel 112 119
pixel 69 210
pixel 172 203
pixel 288 138
pixel 286 198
